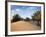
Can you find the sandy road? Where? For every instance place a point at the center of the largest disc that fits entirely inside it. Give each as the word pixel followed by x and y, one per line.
pixel 23 26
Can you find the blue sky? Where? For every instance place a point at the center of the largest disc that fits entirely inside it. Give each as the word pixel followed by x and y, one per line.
pixel 24 11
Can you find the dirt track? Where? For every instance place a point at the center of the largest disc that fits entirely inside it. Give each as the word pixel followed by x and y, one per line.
pixel 23 26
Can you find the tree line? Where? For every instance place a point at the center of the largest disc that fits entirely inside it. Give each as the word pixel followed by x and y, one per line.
pixel 36 17
pixel 18 18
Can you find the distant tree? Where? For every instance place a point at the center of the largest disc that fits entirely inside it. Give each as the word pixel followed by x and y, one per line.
pixel 37 16
pixel 16 18
pixel 27 19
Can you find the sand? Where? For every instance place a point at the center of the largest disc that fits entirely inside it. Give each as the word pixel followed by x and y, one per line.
pixel 23 26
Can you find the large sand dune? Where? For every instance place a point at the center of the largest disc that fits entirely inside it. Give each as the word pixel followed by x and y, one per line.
pixel 23 26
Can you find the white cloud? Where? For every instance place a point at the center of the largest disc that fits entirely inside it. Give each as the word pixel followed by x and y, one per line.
pixel 17 9
pixel 21 13
pixel 13 12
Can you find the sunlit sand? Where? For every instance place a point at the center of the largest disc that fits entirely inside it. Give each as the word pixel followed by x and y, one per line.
pixel 23 26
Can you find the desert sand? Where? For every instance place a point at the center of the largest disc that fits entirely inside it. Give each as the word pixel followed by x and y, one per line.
pixel 23 26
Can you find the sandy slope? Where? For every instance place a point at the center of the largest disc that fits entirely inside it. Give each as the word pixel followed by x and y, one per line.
pixel 23 26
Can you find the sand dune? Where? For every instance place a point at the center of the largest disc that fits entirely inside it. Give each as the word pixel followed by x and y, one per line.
pixel 23 26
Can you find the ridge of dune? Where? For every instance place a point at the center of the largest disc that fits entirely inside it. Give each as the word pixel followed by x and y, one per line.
pixel 23 26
